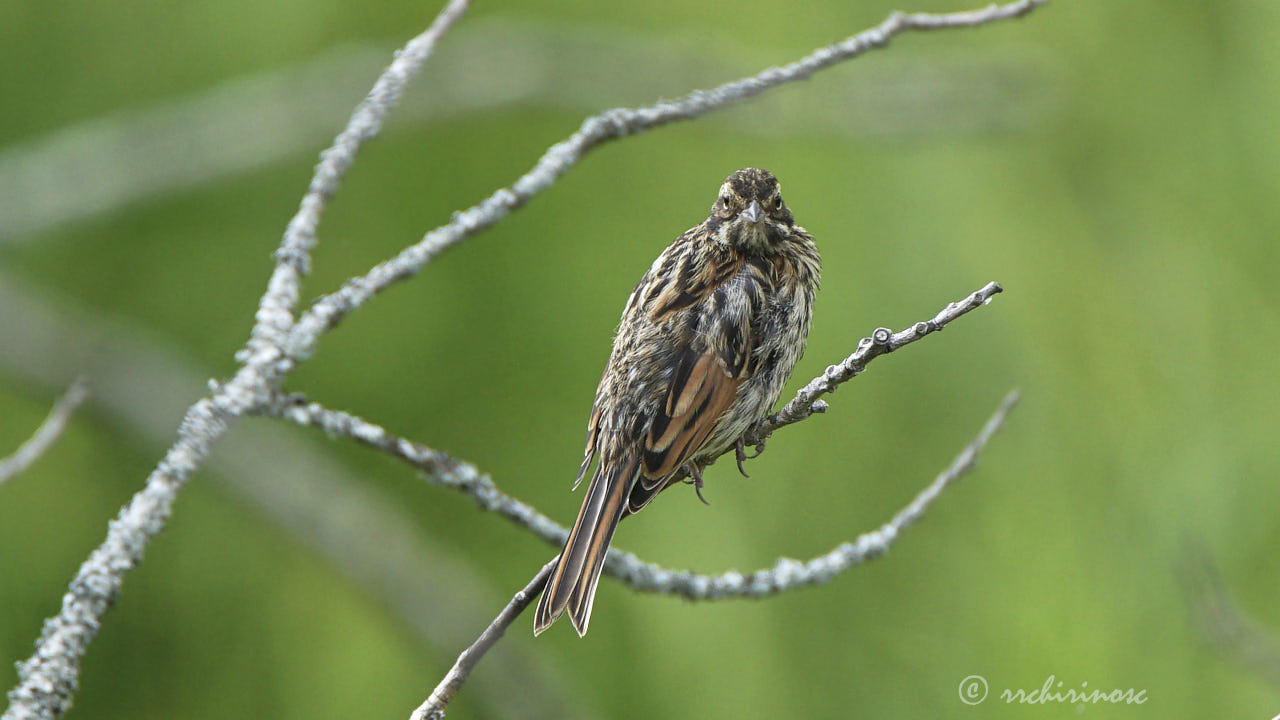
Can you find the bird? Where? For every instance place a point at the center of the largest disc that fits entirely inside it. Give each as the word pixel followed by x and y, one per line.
pixel 706 342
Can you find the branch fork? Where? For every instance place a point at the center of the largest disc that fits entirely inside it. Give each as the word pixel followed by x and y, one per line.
pixel 49 679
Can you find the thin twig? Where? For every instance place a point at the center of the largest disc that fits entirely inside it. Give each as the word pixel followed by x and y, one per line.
pixel 789 574
pixel 328 310
pixel 439 468
pixel 785 575
pixel 48 432
pixel 882 341
pixel 433 708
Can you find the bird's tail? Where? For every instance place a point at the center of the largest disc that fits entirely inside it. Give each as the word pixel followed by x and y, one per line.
pixel 572 585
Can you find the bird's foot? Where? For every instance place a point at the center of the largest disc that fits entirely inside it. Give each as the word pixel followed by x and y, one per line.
pixel 740 454
pixel 695 479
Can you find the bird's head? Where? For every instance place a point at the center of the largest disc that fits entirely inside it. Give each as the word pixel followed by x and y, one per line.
pixel 749 213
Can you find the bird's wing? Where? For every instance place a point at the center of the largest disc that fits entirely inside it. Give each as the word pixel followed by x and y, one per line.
pixel 714 356
pixel 593 431
pixel 701 391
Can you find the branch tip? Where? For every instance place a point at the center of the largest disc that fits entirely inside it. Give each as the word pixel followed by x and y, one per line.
pixel 49 431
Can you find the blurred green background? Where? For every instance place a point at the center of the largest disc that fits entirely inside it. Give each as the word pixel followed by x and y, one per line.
pixel 1112 164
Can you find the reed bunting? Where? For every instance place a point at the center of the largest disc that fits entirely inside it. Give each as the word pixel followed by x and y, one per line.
pixel 707 340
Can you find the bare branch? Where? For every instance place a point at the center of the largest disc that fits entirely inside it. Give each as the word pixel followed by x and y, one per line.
pixel 97 165
pixel 328 310
pixel 882 341
pixel 785 575
pixel 306 490
pixel 466 478
pixel 788 574
pixel 48 679
pixel 440 468
pixel 433 708
pixel 48 432
pixel 293 259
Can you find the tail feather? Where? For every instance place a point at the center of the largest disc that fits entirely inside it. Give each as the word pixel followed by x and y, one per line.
pixel 572 585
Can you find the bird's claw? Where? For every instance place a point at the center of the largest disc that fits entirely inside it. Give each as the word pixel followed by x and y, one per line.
pixel 695 479
pixel 740 454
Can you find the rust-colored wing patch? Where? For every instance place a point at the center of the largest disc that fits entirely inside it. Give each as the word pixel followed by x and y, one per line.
pixel 701 391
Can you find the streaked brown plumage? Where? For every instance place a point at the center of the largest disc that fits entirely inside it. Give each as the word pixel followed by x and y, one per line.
pixel 707 340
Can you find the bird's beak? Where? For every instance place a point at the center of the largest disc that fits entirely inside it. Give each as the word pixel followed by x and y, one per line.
pixel 752 214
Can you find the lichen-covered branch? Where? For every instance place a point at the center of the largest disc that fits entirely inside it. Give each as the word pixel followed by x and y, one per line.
pixel 466 478
pixel 48 432
pixel 785 575
pixel 48 680
pixel 882 341
pixel 611 125
pixel 440 468
pixel 788 574
pixel 274 319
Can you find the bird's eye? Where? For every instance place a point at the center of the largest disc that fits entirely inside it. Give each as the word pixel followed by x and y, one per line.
pixel 724 199
pixel 777 201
